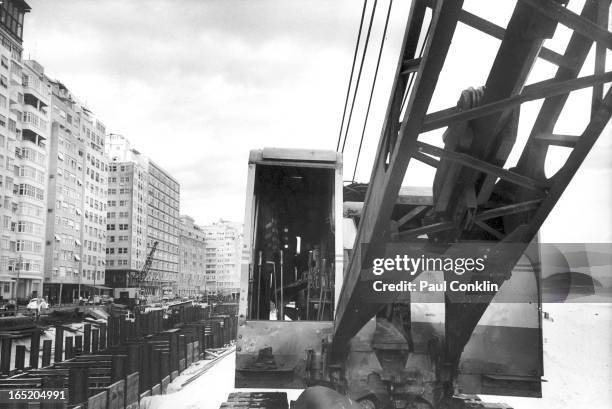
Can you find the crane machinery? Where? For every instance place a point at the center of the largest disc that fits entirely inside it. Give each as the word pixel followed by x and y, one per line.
pixel 144 277
pixel 308 318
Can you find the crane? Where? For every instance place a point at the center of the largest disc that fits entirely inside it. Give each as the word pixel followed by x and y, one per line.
pixel 143 275
pixel 375 351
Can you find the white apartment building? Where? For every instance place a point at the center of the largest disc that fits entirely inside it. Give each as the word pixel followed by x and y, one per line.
pixel 223 254
pixel 192 274
pixel 24 134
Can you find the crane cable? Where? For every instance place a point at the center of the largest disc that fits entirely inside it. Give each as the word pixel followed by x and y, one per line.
pixel 348 90
pixel 365 49
pixel 365 122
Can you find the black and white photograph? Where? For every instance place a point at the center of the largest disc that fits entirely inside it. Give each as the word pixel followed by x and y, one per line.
pixel 306 204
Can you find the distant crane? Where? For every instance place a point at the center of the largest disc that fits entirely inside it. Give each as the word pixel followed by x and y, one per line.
pixel 143 275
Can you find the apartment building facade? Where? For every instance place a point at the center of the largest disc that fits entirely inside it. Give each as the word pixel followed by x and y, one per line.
pixel 24 137
pixel 76 200
pixel 191 274
pixel 126 250
pixel 143 208
pixel 222 257
pixel 163 227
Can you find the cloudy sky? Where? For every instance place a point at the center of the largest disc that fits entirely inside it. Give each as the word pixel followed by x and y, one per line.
pixel 197 84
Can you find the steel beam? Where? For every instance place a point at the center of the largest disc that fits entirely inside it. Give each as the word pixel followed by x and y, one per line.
pixel 531 162
pixel 482 166
pixel 525 34
pixel 391 162
pixel 600 52
pixel 532 159
pixel 539 90
pixel 584 26
pixel 462 318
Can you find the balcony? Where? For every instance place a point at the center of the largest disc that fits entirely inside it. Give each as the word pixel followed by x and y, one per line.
pixel 36 102
pixel 27 135
pixel 34 89
pixel 34 120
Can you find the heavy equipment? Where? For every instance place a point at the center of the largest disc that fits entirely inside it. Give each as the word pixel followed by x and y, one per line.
pixel 308 315
pixel 139 284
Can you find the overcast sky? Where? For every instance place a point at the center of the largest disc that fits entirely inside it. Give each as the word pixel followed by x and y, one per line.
pixel 197 84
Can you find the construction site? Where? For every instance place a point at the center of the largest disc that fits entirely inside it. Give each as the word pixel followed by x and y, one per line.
pixel 332 312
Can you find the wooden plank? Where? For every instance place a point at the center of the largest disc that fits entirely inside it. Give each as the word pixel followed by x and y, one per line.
pixel 131 391
pixel 87 338
pixel 58 344
pixel 78 381
pixel 116 395
pixel 98 401
pixel 572 20
pixel 34 349
pixel 46 355
pixel 69 348
pixel 102 337
pixel 5 355
pixel 390 166
pixel 95 338
pixel 20 357
pixel 118 366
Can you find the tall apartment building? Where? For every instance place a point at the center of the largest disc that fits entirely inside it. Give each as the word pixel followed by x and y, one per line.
pixel 24 133
pixel 163 226
pixel 191 274
pixel 76 200
pixel 223 255
pixel 143 208
pixel 126 242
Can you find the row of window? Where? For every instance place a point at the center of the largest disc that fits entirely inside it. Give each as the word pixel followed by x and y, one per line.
pixel 119 227
pixel 29 246
pixel 35 121
pixel 113 215
pixel 23 264
pixel 30 173
pixel 113 203
pixel 24 189
pixel 120 250
pixel 31 155
pixel 111 239
pixel 23 226
pixel 121 191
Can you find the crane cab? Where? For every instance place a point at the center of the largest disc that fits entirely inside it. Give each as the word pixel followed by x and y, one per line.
pixel 291 267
